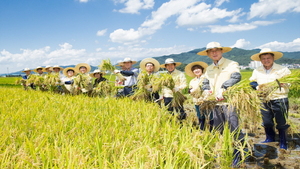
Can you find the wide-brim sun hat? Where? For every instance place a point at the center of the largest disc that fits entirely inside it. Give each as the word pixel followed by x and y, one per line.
pixel 127 60
pixel 96 71
pixel 170 61
pixel 78 66
pixel 188 68
pixel 56 66
pixel 47 67
pixel 277 55
pixel 26 70
pixel 39 67
pixel 212 45
pixel 65 71
pixel 149 60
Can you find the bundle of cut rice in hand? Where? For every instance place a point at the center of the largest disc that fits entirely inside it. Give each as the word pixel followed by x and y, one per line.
pixel 292 81
pixel 245 100
pixel 143 91
pixel 51 82
pixel 82 82
pixel 107 66
pixel 166 80
pixel 103 89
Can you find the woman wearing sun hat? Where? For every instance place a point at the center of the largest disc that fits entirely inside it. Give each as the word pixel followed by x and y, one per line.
pixel 180 84
pixel 149 68
pixel 98 75
pixel 278 105
pixel 195 70
pixel 68 80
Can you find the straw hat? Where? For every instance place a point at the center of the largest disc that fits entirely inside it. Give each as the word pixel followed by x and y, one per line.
pixel 47 67
pixel 56 66
pixel 26 69
pixel 170 61
pixel 212 45
pixel 188 68
pixel 65 71
pixel 127 60
pixel 150 60
pixel 277 55
pixel 96 71
pixel 39 67
pixel 78 66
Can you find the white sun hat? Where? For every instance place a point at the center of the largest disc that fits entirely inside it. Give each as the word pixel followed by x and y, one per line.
pixel 212 45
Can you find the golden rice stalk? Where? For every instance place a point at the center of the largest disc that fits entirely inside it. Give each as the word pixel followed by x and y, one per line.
pixel 103 89
pixel 106 65
pixel 82 81
pixel 52 79
pixel 141 94
pixel 267 89
pixel 245 100
pixel 178 99
pixel 197 93
pixel 143 84
pixel 164 79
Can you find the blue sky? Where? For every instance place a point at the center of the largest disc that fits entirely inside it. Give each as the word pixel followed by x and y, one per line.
pixel 62 32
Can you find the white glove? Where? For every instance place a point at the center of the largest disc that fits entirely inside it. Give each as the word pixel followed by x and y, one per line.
pixel 192 90
pixel 117 71
pixel 219 95
pixel 176 89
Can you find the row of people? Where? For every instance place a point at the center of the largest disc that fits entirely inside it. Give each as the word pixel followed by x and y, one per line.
pixel 212 79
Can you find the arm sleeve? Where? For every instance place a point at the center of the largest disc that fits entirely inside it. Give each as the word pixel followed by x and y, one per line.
pixel 127 73
pixel 205 84
pixel 234 78
pixel 254 84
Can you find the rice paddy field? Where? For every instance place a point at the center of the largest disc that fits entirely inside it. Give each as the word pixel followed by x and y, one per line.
pixel 49 130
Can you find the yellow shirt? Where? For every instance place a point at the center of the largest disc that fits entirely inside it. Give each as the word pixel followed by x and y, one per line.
pixel 180 82
pixel 195 84
pixel 261 77
pixel 218 74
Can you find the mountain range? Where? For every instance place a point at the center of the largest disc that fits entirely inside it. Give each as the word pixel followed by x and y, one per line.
pixel 242 56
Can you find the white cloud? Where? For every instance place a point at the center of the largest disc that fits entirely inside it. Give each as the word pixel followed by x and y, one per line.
pixel 240 27
pixel 220 2
pixel 101 32
pixel 149 27
pixel 66 55
pixel 83 1
pixel 241 43
pixel 282 46
pixel 201 14
pixel 134 6
pixel 264 8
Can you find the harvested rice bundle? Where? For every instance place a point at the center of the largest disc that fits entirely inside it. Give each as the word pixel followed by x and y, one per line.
pixel 103 89
pixel 106 65
pixel 51 82
pixel 166 80
pixel 246 101
pixel 197 93
pixel 266 90
pixel 143 87
pixel 82 81
pixel 208 102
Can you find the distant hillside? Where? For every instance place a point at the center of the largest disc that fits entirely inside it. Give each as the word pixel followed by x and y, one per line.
pixel 241 56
